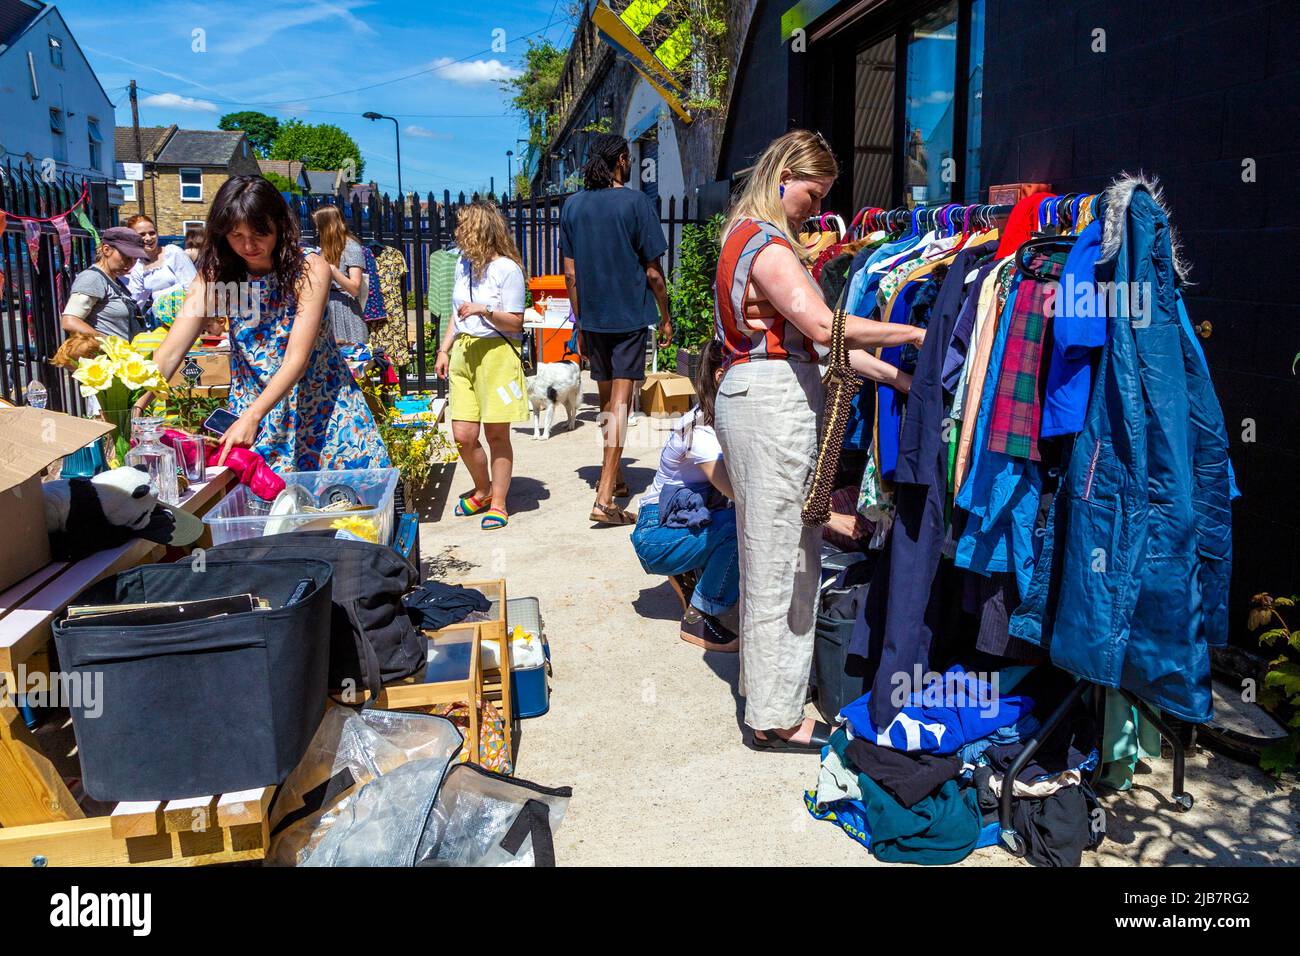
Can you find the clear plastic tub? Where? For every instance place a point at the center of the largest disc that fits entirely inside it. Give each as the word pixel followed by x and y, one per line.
pixel 242 514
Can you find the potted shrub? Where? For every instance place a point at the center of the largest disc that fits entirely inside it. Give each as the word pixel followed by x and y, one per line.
pixel 691 295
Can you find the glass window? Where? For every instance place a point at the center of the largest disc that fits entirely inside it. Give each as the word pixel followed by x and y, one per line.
pixel 128 189
pixel 929 168
pixel 974 102
pixel 191 185
pixel 59 142
pixel 56 52
pixel 873 126
pixel 96 141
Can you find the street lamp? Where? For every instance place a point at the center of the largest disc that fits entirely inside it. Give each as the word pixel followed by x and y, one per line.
pixel 396 132
pixel 510 170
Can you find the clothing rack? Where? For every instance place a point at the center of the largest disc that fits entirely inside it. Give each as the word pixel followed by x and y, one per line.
pixel 1011 839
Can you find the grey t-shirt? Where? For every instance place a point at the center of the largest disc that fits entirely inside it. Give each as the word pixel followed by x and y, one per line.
pixel 344 311
pixel 114 311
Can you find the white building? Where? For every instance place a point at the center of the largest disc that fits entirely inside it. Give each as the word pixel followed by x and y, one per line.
pixel 52 106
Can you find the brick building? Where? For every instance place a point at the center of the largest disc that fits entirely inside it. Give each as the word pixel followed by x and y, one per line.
pixel 184 168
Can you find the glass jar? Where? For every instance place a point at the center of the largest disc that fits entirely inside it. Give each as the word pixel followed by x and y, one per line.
pixel 152 456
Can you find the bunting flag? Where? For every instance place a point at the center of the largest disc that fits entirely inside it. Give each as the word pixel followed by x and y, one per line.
pixel 84 222
pixel 32 231
pixel 3 219
pixel 65 235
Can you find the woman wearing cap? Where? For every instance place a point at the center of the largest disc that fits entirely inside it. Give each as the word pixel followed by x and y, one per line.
pixel 166 267
pixel 99 303
pixel 298 405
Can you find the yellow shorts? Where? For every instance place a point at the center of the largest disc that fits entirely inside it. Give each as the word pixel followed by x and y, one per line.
pixel 487 381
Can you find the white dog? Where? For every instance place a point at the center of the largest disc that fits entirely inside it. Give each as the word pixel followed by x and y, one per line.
pixel 556 383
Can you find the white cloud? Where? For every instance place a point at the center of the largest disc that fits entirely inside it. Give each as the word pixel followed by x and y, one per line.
pixel 420 132
pixel 175 101
pixel 473 71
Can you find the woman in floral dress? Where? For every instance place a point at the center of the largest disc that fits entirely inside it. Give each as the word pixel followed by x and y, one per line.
pixel 298 405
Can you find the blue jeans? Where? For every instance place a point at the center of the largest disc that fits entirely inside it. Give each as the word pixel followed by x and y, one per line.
pixel 711 550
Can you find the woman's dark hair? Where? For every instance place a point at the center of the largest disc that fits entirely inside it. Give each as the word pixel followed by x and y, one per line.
pixel 194 237
pixel 706 380
pixel 253 201
pixel 606 150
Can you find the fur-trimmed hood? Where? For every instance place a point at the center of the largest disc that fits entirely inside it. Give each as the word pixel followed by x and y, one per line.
pixel 1116 201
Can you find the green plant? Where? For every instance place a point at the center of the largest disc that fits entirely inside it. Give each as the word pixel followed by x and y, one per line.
pixel 1281 692
pixel 690 290
pixel 532 92
pixel 191 410
pixel 602 125
pixel 414 452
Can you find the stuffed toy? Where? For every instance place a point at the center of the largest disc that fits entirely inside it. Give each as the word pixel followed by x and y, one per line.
pixel 85 515
pixel 77 345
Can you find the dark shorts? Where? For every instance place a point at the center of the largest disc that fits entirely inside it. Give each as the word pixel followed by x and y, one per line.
pixel 616 354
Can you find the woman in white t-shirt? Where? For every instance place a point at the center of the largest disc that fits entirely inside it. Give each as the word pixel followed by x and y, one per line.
pixel 481 354
pixel 167 267
pixel 681 531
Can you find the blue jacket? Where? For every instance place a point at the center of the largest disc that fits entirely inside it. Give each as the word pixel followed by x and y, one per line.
pixel 1131 585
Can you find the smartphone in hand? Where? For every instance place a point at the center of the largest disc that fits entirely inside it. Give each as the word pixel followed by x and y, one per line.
pixel 219 421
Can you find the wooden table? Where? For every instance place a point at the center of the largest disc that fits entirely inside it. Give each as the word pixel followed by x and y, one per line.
pixel 41 822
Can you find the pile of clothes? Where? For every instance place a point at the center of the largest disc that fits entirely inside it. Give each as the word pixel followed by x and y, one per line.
pixel 925 788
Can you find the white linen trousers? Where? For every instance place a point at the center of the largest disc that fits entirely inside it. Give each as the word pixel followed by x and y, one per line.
pixel 766 419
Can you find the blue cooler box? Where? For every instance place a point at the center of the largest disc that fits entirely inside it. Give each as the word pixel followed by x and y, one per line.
pixel 530 690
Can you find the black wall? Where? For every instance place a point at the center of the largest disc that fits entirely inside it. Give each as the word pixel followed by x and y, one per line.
pixel 761 107
pixel 1186 90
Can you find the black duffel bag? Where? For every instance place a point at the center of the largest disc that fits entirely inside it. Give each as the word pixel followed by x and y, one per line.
pixel 372 640
pixel 212 705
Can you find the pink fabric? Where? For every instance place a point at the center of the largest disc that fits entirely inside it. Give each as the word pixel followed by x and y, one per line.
pixel 248 466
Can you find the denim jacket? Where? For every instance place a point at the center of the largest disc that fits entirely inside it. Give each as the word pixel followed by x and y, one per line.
pixel 1131 584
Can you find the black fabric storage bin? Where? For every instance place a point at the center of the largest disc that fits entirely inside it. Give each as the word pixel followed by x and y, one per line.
pixel 211 706
pixel 840 677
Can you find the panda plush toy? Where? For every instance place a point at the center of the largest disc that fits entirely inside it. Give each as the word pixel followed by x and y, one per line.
pixel 85 515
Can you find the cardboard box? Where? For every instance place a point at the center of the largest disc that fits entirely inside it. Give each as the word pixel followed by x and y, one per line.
pixel 213 366
pixel 666 393
pixel 31 439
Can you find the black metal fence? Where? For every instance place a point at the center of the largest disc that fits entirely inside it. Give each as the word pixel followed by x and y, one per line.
pixel 34 288
pixel 417 231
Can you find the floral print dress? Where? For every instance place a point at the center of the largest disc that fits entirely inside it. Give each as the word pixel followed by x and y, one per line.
pixel 323 423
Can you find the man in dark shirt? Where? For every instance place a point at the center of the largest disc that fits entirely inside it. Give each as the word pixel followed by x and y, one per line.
pixel 611 241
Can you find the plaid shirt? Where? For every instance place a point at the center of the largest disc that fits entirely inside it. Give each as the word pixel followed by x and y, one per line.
pixel 1017 407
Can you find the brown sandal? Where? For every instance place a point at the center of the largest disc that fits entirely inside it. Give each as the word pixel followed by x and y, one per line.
pixel 611 514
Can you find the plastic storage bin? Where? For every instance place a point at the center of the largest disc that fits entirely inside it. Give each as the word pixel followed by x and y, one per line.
pixel 530 690
pixel 242 514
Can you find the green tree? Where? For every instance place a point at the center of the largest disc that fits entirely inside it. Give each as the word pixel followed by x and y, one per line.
pixel 282 183
pixel 533 91
pixel 261 129
pixel 320 146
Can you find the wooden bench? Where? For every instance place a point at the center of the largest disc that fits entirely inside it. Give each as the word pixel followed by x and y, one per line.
pixel 42 821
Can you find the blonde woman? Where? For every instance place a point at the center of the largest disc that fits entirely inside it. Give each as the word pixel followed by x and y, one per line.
pixel 347 265
pixel 771 319
pixel 481 353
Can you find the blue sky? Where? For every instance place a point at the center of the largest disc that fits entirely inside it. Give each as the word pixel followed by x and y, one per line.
pixel 296 58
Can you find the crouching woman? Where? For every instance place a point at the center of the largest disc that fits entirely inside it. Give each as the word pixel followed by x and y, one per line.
pixel 684 528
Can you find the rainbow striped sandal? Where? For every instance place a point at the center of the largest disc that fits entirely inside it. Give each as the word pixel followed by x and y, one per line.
pixel 493 519
pixel 469 505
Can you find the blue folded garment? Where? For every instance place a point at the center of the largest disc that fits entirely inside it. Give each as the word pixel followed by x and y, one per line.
pixel 681 506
